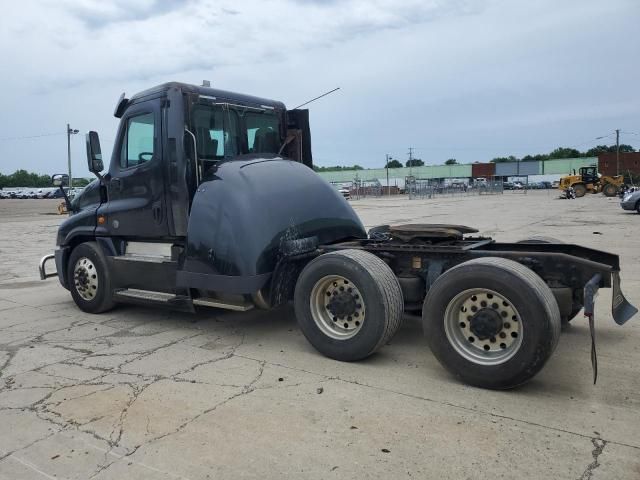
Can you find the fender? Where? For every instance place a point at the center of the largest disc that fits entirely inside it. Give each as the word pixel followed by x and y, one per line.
pixel 248 214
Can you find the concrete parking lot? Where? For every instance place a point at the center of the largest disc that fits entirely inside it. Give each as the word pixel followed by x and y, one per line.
pixel 141 393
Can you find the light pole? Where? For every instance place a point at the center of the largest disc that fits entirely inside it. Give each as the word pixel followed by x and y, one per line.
pixel 617 151
pixel 70 131
pixel 389 158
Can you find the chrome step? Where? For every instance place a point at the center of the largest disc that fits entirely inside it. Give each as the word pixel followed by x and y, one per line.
pixel 226 304
pixel 130 257
pixel 145 295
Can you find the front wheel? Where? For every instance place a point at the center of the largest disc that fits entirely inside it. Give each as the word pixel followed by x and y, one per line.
pixel 348 304
pixel 580 190
pixel 88 279
pixel 610 190
pixel 492 322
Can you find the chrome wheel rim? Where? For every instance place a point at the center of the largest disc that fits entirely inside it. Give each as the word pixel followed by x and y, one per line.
pixel 85 277
pixel 337 307
pixel 483 326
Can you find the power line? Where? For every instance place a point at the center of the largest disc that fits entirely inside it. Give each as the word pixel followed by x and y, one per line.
pixel 591 140
pixel 31 136
pixel 445 147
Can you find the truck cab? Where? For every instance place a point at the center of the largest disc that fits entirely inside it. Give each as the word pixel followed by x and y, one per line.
pixel 210 200
pixel 206 192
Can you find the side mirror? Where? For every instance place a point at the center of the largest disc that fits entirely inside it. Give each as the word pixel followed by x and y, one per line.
pixel 60 180
pixel 94 154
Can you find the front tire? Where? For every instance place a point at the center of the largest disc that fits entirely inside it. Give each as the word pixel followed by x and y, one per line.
pixel 348 304
pixel 610 190
pixel 580 190
pixel 492 322
pixel 88 279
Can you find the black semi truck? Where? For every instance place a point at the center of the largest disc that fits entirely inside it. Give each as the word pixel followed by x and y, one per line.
pixel 210 200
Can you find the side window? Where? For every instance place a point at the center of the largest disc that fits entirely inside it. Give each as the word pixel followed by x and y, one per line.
pixel 137 145
pixel 216 132
pixel 262 133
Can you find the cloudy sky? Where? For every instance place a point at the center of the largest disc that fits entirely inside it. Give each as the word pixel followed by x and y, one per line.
pixel 452 78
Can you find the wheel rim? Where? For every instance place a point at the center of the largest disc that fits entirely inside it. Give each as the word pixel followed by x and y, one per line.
pixel 337 307
pixel 483 326
pixel 85 277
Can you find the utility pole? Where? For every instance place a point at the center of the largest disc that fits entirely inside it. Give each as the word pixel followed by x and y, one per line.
pixel 617 151
pixel 410 161
pixel 70 131
pixel 387 167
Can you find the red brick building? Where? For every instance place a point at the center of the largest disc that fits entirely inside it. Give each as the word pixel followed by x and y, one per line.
pixel 607 164
pixel 483 170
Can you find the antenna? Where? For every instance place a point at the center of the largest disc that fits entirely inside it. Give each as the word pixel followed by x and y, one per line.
pixel 314 99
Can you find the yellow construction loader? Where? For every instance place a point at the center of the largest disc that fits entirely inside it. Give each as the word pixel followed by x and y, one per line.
pixel 588 180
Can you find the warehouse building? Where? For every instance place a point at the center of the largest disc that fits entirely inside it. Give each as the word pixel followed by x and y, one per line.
pixel 548 170
pixel 609 164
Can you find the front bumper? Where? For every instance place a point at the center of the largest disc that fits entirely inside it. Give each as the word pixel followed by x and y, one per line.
pixel 628 205
pixel 42 267
pixel 60 256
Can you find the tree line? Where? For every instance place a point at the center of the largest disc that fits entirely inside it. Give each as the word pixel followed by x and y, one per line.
pixel 22 178
pixel 558 153
pixel 566 152
pixel 337 168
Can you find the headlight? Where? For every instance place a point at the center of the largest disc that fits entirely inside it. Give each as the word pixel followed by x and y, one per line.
pixel 627 197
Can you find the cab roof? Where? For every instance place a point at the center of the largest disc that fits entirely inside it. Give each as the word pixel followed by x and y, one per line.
pixel 231 97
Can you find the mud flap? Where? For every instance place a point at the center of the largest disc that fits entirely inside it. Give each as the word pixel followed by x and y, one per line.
pixel 590 292
pixel 621 309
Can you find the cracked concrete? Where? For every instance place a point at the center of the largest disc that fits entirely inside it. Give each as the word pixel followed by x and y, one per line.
pixel 598 448
pixel 153 394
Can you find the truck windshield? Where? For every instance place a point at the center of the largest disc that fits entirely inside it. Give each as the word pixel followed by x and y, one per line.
pixel 223 131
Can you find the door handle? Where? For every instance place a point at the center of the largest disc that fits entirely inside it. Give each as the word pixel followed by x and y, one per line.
pixel 116 184
pixel 158 214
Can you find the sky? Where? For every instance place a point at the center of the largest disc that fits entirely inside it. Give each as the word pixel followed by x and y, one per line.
pixel 470 80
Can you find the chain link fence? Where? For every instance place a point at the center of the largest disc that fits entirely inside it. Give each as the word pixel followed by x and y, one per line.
pixel 363 189
pixel 430 188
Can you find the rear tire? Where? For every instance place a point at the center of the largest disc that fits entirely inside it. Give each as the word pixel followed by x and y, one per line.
pixel 610 190
pixel 580 190
pixel 540 239
pixel 348 304
pixel 491 322
pixel 88 279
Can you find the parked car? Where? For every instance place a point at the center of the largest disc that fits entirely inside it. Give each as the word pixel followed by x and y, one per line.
pixel 58 194
pixel 346 193
pixel 631 201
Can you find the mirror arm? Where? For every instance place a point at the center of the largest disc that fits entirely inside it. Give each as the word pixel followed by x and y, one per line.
pixel 66 199
pixel 100 178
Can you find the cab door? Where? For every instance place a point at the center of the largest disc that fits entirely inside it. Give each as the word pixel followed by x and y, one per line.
pixel 589 174
pixel 136 186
